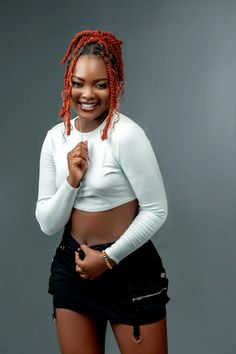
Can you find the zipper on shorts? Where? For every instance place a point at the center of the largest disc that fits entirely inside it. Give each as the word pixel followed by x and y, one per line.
pixel 149 295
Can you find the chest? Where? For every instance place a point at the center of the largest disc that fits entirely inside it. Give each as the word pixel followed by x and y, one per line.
pixel 103 171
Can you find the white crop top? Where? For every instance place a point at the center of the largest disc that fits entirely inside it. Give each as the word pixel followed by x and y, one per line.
pixel 121 168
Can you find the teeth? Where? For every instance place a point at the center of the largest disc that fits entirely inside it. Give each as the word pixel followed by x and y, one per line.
pixel 87 105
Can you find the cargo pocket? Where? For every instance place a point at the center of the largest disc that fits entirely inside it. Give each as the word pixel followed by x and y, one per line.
pixel 144 291
pixel 149 293
pixel 148 301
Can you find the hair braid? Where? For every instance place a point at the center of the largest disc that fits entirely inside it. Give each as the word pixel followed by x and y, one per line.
pixel 113 98
pixel 106 45
pixel 67 116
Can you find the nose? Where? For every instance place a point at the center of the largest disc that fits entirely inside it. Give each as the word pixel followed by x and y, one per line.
pixel 87 93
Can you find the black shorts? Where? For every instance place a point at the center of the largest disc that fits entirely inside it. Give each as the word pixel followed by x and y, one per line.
pixel 133 292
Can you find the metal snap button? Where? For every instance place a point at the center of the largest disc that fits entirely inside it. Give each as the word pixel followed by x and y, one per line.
pixel 163 275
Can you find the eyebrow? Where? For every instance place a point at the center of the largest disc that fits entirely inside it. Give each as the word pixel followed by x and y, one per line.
pixel 80 78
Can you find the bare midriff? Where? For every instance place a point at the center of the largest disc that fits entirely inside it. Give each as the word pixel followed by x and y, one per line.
pixel 106 226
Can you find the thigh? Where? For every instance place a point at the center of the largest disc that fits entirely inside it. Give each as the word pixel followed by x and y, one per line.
pixel 154 338
pixel 78 333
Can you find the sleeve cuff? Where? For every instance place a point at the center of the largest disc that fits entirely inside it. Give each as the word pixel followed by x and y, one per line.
pixel 70 187
pixel 110 255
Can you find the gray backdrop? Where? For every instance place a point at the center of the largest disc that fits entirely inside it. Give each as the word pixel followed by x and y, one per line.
pixel 180 87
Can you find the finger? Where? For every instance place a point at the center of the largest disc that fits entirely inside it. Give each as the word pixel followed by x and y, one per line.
pixel 78 268
pixel 77 257
pixel 83 165
pixel 77 153
pixel 82 144
pixel 81 154
pixel 85 143
pixel 79 161
pixel 74 154
pixel 79 260
pixel 85 276
pixel 84 248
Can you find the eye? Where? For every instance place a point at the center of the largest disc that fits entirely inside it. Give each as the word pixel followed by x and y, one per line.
pixel 102 86
pixel 76 84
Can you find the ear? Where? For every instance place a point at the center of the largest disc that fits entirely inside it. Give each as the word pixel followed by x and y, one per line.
pixel 63 95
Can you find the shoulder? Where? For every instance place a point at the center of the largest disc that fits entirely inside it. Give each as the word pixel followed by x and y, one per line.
pixel 124 127
pixel 56 133
pixel 57 130
pixel 128 136
pixel 55 136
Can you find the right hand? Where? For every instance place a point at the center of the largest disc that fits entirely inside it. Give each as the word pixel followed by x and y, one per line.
pixel 77 160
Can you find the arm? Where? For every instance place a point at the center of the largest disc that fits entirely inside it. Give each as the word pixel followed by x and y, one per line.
pixel 54 205
pixel 138 161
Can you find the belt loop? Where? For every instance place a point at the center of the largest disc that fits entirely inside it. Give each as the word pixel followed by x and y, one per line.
pixel 66 230
pixel 136 334
pixel 136 328
pixel 68 226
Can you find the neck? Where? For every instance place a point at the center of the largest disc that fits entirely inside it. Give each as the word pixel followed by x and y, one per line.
pixel 85 126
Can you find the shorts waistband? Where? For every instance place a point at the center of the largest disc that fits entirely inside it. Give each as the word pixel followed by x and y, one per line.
pixel 70 243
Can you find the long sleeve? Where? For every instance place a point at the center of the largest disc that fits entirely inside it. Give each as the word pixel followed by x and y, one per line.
pixel 54 206
pixel 138 161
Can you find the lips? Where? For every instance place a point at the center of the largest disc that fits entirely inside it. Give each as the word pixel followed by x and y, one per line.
pixel 87 106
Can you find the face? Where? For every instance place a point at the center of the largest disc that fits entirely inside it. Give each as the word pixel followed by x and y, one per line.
pixel 90 89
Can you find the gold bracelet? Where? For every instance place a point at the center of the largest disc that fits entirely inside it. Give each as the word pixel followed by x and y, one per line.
pixel 106 259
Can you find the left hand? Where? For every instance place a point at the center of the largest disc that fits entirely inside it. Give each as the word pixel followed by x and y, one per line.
pixel 92 265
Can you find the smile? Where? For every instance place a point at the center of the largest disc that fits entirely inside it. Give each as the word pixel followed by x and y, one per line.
pixel 87 106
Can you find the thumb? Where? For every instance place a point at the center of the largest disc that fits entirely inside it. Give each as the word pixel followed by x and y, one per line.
pixel 84 248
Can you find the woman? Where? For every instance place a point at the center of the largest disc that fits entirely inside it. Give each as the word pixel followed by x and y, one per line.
pixel 99 179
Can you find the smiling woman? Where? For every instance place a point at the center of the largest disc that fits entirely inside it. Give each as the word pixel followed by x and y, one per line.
pixel 101 182
pixel 101 45
pixel 90 92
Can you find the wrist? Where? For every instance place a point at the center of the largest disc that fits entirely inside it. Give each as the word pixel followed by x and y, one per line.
pixel 108 261
pixel 72 182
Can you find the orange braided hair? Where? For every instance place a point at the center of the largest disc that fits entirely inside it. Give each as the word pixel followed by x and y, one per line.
pixel 106 45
